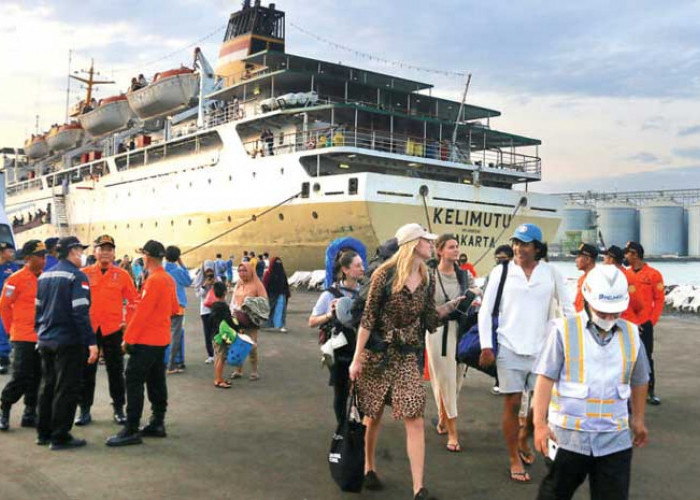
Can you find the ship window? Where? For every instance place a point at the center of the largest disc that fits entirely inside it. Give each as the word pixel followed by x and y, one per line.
pixel 352 185
pixel 305 189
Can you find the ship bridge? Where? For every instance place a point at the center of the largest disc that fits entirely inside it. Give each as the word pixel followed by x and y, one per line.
pixel 343 117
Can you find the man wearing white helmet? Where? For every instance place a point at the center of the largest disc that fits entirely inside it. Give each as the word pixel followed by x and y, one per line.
pixel 592 364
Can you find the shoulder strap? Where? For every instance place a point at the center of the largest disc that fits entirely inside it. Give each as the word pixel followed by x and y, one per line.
pixel 499 293
pixel 335 291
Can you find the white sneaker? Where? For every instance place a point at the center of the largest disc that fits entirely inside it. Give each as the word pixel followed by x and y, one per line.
pixel 283 330
pixel 209 360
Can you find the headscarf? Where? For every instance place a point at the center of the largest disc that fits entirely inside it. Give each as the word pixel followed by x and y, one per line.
pixel 208 265
pixel 252 287
pixel 275 279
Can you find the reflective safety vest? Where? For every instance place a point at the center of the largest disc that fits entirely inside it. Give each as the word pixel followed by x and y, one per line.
pixel 594 384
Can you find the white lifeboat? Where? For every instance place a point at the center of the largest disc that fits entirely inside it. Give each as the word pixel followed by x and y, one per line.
pixel 170 91
pixel 64 136
pixel 36 147
pixel 111 114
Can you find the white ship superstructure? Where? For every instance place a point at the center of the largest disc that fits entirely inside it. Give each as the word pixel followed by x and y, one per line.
pixel 288 154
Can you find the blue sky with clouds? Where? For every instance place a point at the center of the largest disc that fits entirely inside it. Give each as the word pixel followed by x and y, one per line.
pixel 611 88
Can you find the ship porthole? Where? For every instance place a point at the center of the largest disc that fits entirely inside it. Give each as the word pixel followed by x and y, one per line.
pixel 142 225
pixel 314 214
pixel 189 222
pixel 229 218
pixel 208 221
pixel 127 226
pixel 190 184
pixel 172 222
pixel 281 216
pixel 230 177
pixel 209 181
pixel 156 223
pixel 115 226
pixel 317 187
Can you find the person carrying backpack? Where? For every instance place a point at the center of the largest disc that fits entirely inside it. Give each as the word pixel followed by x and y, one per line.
pixel 348 271
pixel 400 308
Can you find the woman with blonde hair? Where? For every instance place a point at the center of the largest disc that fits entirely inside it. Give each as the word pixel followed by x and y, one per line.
pixel 248 285
pixel 400 307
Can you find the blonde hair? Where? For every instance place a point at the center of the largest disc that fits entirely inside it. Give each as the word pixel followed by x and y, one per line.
pixel 402 261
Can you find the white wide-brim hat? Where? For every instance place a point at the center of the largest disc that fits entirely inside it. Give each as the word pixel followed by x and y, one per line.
pixel 411 232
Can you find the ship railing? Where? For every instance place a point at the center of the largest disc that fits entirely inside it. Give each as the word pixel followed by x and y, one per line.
pixel 20 187
pixel 495 161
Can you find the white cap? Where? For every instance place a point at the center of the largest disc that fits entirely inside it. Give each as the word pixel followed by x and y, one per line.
pixel 606 289
pixel 411 232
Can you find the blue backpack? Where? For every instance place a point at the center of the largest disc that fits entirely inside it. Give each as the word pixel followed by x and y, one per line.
pixel 469 345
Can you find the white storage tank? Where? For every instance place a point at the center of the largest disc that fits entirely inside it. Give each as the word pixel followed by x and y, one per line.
pixel 618 223
pixel 577 226
pixel 694 230
pixel 661 228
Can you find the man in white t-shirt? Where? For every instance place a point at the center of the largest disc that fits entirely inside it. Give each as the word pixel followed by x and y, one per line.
pixel 530 286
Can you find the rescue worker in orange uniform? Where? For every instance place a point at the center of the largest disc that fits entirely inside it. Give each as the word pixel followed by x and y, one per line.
pixel 586 256
pixel 17 307
pixel 651 295
pixel 145 339
pixel 110 287
pixel 615 256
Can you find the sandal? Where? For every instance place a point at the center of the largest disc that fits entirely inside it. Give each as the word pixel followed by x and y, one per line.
pixel 253 377
pixel 222 385
pixel 236 375
pixel 441 431
pixel 515 475
pixel 527 457
pixel 453 447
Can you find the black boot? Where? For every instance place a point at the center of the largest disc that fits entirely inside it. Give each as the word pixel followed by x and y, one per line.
pixel 128 435
pixel 5 419
pixel 4 365
pixel 155 428
pixel 119 416
pixel 29 417
pixel 84 418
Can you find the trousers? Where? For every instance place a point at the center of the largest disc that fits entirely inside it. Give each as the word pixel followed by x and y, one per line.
pixel 609 476
pixel 111 347
pixel 5 346
pixel 176 338
pixel 146 366
pixel 208 334
pixel 646 334
pixel 59 392
pixel 26 376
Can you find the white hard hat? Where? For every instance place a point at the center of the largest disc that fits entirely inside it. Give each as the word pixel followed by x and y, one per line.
pixel 606 290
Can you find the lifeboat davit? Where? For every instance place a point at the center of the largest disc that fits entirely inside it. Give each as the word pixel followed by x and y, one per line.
pixel 36 147
pixel 64 136
pixel 170 91
pixel 111 114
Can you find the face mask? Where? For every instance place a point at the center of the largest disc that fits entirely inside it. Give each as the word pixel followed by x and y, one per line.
pixel 604 324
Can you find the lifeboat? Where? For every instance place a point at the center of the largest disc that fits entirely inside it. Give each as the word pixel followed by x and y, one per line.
pixel 111 114
pixel 36 147
pixel 64 136
pixel 171 91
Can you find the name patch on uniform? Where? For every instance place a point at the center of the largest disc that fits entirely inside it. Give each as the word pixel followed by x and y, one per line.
pixel 9 290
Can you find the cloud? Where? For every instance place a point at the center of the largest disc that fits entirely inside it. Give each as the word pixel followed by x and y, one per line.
pixel 654 123
pixel 686 131
pixel 658 179
pixel 690 153
pixel 644 157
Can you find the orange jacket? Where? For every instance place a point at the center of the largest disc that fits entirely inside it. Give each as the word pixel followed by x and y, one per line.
pixel 578 302
pixel 17 305
pixel 108 291
pixel 650 292
pixel 635 306
pixel 150 324
pixel 468 267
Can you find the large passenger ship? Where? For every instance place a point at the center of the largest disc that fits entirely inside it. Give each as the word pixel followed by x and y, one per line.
pixel 275 152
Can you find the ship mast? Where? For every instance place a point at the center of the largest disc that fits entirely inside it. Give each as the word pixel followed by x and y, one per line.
pixel 90 80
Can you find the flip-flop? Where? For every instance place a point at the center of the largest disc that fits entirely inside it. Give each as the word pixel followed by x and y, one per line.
pixel 528 458
pixel 453 447
pixel 441 431
pixel 522 474
pixel 222 385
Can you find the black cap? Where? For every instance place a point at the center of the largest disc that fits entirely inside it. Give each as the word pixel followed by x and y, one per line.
pixel 153 248
pixel 616 253
pixel 172 253
pixel 586 249
pixel 32 247
pixel 65 244
pixel 50 243
pixel 104 239
pixel 6 246
pixel 636 247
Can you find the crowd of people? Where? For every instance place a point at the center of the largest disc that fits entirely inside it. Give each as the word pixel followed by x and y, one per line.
pixel 576 372
pixel 584 359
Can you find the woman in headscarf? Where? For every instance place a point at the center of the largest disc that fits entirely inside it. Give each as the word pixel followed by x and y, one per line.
pixel 277 287
pixel 248 285
pixel 203 282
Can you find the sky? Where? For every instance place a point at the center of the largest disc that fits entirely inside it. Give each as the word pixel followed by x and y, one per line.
pixel 611 88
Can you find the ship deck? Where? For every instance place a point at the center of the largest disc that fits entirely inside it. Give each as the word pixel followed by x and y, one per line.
pixel 269 439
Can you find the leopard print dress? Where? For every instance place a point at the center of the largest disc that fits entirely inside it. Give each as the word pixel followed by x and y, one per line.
pixel 394 378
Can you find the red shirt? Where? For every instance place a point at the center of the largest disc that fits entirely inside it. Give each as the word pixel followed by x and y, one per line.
pixel 108 291
pixel 17 305
pixel 650 292
pixel 468 267
pixel 150 324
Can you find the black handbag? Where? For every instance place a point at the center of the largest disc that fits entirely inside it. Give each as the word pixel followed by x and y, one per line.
pixel 346 457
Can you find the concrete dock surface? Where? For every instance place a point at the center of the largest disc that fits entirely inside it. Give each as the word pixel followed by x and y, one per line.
pixel 269 439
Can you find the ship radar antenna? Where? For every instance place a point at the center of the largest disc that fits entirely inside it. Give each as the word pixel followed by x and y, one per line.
pixel 90 82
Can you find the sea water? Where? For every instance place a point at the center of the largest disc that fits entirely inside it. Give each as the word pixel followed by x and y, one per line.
pixel 674 273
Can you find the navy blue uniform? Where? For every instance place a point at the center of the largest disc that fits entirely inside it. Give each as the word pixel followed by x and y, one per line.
pixel 6 270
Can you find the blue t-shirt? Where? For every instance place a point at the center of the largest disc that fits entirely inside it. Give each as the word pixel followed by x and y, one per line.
pixel 6 270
